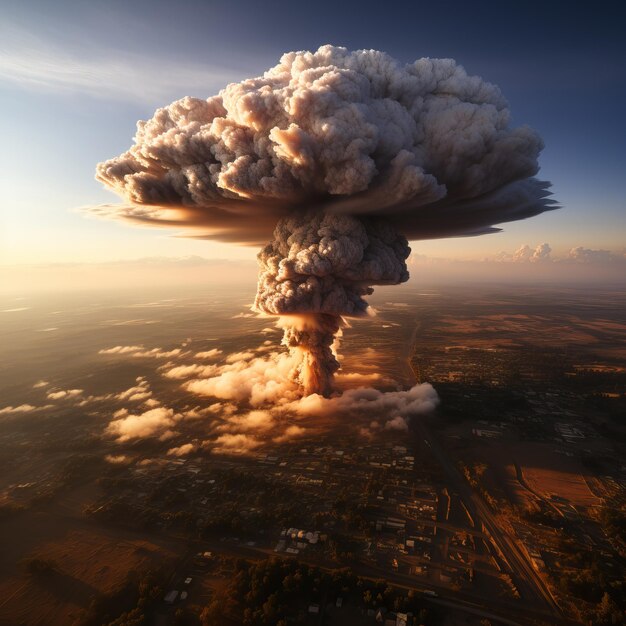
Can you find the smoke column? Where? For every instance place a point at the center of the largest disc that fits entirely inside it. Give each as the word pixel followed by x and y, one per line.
pixel 335 158
pixel 318 268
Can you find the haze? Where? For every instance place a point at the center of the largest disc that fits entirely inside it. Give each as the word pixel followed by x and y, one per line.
pixel 312 314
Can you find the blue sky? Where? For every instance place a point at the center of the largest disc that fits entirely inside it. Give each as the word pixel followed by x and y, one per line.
pixel 76 76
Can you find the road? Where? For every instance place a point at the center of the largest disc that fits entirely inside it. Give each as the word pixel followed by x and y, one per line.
pixel 463 601
pixel 532 587
pixel 537 602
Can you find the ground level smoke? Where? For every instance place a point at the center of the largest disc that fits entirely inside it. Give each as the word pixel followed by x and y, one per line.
pixel 311 339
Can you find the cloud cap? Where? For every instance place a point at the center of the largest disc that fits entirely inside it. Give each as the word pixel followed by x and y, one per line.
pixel 424 145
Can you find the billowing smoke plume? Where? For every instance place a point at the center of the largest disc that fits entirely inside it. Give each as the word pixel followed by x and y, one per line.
pixel 317 269
pixel 335 157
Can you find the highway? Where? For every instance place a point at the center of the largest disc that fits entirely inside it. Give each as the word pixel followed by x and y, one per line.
pixel 531 586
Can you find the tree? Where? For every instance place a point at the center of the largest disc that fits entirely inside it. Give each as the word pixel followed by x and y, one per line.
pixel 608 612
pixel 40 567
pixel 211 614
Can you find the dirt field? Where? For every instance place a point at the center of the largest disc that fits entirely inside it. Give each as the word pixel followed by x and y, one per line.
pixel 570 485
pixel 543 471
pixel 89 560
pixel 504 330
pixel 502 474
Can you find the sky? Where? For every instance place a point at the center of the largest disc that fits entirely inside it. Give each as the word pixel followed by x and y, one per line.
pixel 75 77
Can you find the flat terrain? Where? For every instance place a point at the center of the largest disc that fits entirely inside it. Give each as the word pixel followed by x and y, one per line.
pixel 90 560
pixel 530 381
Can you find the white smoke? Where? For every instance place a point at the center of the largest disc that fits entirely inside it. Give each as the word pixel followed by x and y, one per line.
pixel 335 157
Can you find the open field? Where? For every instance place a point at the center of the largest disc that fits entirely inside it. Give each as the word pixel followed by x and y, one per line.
pixel 542 472
pixel 89 559
pixel 515 371
pixel 563 481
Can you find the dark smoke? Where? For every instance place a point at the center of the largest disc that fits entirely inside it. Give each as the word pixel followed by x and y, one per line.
pixel 318 268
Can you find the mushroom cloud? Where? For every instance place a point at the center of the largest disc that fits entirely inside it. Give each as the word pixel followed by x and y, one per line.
pixel 336 158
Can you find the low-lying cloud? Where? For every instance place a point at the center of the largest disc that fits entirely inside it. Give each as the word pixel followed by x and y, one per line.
pixel 154 422
pixel 139 352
